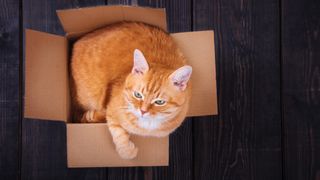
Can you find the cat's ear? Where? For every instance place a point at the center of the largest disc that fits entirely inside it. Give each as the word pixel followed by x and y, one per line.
pixel 180 77
pixel 140 64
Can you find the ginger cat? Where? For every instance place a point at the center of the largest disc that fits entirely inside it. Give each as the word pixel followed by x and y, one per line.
pixel 134 76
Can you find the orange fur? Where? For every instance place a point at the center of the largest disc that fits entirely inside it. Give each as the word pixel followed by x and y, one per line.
pixel 101 66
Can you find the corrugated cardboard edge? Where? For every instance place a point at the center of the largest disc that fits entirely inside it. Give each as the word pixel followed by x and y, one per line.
pixel 46 76
pixel 79 21
pixel 91 145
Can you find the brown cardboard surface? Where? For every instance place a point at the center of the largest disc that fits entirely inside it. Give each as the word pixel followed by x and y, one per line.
pixel 156 17
pixel 83 20
pixel 90 145
pixel 198 48
pixel 46 76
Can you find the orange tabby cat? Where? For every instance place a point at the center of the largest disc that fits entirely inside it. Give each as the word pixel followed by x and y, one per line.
pixel 133 75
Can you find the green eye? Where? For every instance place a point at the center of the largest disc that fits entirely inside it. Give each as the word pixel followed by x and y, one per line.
pixel 159 102
pixel 137 95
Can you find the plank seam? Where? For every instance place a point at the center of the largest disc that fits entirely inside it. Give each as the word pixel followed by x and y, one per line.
pixel 283 169
pixel 21 86
pixel 192 119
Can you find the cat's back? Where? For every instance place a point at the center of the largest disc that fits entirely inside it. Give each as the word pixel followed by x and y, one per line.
pixel 111 49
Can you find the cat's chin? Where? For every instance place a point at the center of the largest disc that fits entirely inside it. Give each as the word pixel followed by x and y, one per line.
pixel 143 129
pixel 148 125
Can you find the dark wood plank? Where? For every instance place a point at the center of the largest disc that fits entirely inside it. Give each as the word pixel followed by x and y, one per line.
pixel 244 140
pixel 44 143
pixel 121 2
pixel 125 173
pixel 179 13
pixel 301 88
pixel 10 139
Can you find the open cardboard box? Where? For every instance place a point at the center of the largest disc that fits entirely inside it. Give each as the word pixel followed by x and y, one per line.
pixel 47 94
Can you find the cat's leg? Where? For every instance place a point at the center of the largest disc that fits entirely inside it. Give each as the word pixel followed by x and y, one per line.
pixel 125 148
pixel 92 103
pixel 94 116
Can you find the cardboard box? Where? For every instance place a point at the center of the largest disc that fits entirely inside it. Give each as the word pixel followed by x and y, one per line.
pixel 47 95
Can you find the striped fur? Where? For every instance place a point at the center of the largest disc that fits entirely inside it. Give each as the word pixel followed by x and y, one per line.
pixel 105 80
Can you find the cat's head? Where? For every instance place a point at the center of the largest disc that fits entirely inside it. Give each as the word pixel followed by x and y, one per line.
pixel 155 95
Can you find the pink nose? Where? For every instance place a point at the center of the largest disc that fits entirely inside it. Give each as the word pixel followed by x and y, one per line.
pixel 142 111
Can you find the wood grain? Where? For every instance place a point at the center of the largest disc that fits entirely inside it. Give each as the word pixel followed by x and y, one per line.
pixel 301 89
pixel 10 134
pixel 44 143
pixel 244 141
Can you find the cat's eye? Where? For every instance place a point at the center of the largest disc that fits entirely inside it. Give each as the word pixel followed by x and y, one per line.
pixel 137 95
pixel 159 102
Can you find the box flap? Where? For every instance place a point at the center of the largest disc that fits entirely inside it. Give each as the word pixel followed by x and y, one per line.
pixel 46 76
pixel 91 145
pixel 198 48
pixel 83 20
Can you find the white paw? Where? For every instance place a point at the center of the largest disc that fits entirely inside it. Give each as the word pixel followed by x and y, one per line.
pixel 128 151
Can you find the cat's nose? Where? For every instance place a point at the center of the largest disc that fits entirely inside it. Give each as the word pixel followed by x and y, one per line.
pixel 142 112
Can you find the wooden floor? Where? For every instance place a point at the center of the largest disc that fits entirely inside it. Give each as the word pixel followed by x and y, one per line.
pixel 268 77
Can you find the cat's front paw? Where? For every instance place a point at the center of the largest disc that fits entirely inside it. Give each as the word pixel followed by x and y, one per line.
pixel 128 151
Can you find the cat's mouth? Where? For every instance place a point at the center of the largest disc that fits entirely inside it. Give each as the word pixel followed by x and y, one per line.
pixel 147 121
pixel 138 113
